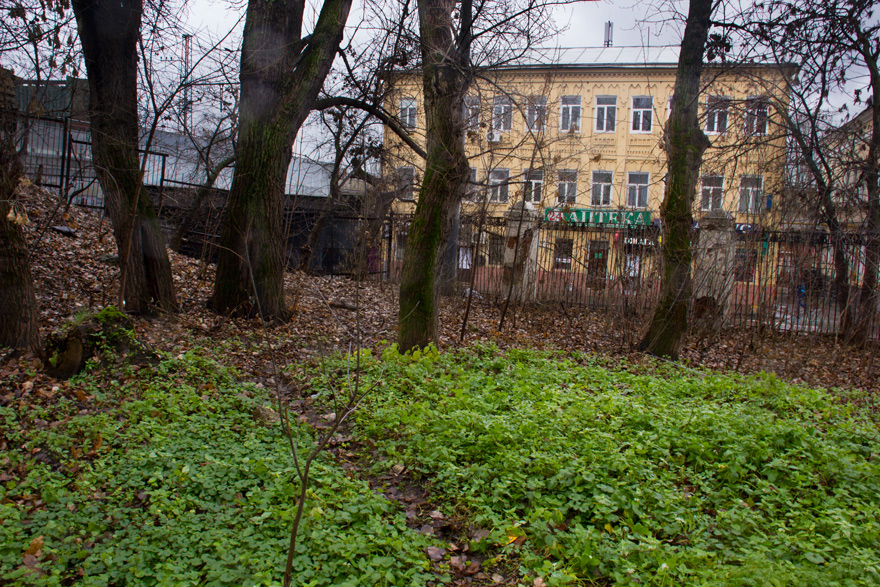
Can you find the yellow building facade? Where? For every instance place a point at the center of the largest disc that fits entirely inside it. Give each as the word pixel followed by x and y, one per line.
pixel 579 134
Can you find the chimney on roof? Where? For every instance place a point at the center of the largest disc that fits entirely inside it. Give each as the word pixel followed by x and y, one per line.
pixel 609 33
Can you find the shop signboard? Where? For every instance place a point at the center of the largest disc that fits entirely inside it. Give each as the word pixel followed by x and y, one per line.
pixel 599 217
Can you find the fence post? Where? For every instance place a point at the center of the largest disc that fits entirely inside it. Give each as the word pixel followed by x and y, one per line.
pixel 713 270
pixel 521 252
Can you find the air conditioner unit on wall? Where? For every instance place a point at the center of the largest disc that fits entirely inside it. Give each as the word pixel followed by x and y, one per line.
pixel 493 136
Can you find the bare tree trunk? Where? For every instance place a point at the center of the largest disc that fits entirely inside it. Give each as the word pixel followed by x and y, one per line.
pixel 109 32
pixel 281 75
pixel 685 144
pixel 18 303
pixel 445 81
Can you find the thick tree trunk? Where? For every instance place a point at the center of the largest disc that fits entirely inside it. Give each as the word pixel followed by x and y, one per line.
pixel 684 149
pixel 445 81
pixel 109 32
pixel 18 304
pixel 281 76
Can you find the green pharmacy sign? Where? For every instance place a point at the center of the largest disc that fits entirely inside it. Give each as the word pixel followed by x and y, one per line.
pixel 600 217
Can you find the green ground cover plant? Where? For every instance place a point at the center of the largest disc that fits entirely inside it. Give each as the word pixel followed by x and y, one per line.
pixel 585 473
pixel 163 477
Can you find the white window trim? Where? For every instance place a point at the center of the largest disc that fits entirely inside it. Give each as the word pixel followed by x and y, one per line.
pixel 506 106
pixel 726 99
pixel 754 205
pixel 647 186
pixel 527 180
pixel 632 111
pixel 751 104
pixel 580 114
pixel 596 107
pixel 610 185
pixel 570 186
pixel 709 208
pixel 497 185
pixel 537 106
pixel 410 111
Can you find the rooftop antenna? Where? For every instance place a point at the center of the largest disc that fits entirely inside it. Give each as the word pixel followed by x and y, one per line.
pixel 609 33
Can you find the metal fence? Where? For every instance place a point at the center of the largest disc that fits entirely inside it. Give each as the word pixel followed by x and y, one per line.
pixel 784 280
pixel 57 152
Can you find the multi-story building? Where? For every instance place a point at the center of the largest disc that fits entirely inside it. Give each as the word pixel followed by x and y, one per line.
pixel 579 134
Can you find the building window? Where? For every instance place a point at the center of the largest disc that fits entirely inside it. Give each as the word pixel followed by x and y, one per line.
pixel 566 186
pixel 602 181
pixel 502 113
pixel 562 253
pixel 744 262
pixel 536 113
pixel 606 113
pixel 757 112
pixel 712 192
pixel 472 189
pixel 570 114
pixel 750 194
pixel 716 114
pixel 642 112
pixel 407 113
pixel 406 180
pixel 637 190
pixel 498 185
pixel 533 182
pixel 496 249
pixel 471 112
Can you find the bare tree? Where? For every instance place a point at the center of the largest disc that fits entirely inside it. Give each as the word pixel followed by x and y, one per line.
pixel 18 304
pixel 282 72
pixel 836 47
pixel 685 144
pixel 109 34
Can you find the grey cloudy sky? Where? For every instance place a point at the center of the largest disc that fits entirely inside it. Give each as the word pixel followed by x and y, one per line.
pixel 582 24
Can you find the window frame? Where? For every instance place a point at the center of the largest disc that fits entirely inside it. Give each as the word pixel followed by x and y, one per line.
pixel 601 114
pixel 570 113
pixel 495 250
pixel 529 182
pixel 499 186
pixel 606 189
pixel 713 112
pixel 633 187
pixel 756 114
pixel 502 113
pixel 407 114
pixel 708 193
pixel 536 113
pixel 566 186
pixel 563 254
pixel 753 206
pixel 639 114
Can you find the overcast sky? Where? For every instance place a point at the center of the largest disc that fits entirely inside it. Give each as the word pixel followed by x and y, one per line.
pixel 582 24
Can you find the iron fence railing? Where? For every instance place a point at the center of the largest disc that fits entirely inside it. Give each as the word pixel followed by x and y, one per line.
pixel 786 280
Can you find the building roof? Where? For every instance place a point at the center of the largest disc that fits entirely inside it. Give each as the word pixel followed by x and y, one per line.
pixel 598 57
pixel 616 57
